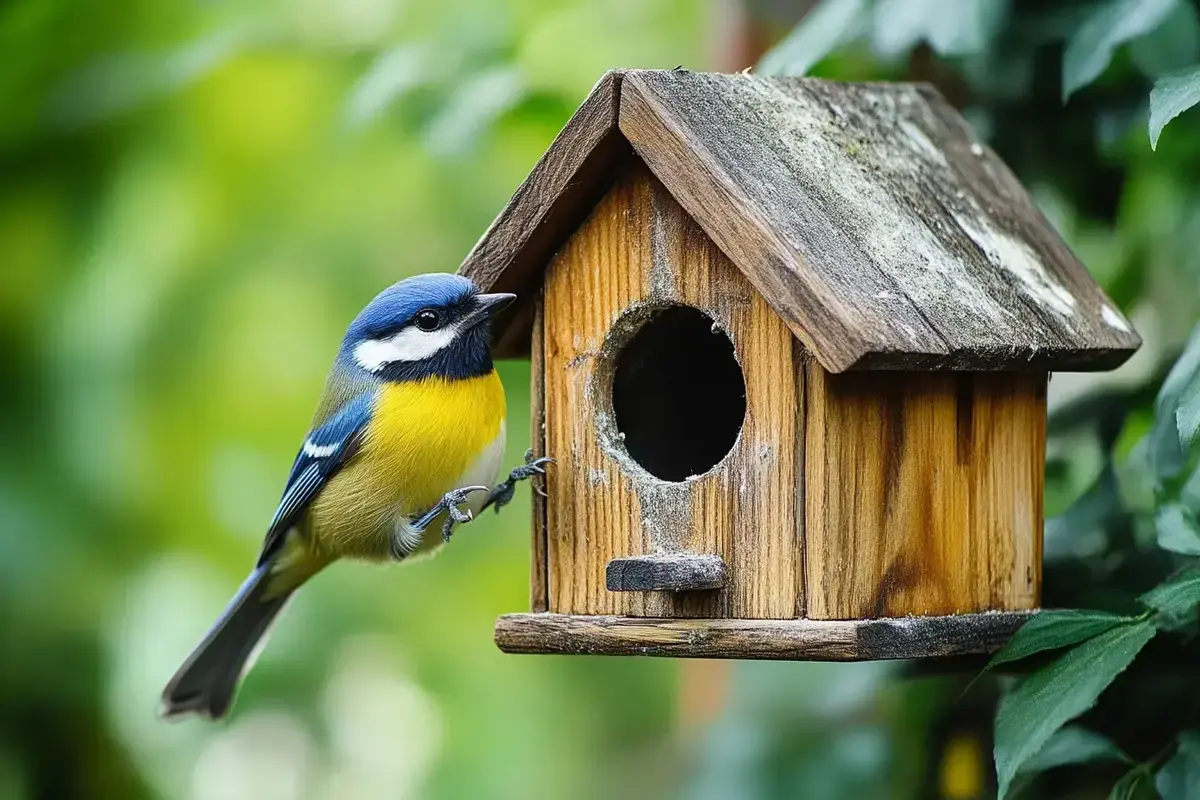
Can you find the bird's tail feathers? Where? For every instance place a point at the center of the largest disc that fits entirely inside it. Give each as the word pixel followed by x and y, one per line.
pixel 208 679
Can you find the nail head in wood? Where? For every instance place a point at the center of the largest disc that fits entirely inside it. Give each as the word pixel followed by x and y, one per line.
pixel 666 572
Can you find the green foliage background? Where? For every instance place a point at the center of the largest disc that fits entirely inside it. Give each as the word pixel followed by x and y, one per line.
pixel 196 198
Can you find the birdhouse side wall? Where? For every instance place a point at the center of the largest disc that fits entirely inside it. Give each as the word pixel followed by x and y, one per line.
pixel 923 492
pixel 637 253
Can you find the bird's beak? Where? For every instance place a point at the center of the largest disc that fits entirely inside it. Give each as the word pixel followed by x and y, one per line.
pixel 489 305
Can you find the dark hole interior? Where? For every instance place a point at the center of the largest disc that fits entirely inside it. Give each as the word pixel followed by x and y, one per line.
pixel 678 394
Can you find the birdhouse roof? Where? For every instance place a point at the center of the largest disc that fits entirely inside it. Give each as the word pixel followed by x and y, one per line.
pixel 868 215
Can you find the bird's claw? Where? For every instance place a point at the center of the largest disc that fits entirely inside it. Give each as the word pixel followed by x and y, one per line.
pixel 449 505
pixel 503 493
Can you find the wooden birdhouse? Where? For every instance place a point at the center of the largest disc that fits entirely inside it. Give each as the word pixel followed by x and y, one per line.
pixel 790 341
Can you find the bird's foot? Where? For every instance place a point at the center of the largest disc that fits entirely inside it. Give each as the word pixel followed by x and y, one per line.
pixel 503 492
pixel 449 505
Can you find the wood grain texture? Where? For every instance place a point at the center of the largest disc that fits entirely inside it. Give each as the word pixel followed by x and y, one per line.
pixel 923 492
pixel 666 572
pixel 636 253
pixel 538 592
pixel 868 215
pixel 786 640
pixel 885 234
pixel 548 205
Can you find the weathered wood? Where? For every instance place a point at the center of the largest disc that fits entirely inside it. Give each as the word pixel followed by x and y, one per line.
pixel 786 640
pixel 665 572
pixel 800 361
pixel 538 592
pixel 875 224
pixel 923 493
pixel 512 254
pixel 638 252
pixel 858 208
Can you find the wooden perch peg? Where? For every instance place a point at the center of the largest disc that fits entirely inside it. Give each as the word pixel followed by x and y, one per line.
pixel 665 572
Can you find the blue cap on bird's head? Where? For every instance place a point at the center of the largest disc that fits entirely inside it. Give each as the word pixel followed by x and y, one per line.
pixel 426 325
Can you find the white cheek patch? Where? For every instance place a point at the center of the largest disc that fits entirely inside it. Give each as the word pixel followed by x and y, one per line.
pixel 410 344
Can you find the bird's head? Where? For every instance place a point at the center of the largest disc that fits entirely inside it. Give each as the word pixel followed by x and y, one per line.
pixel 425 326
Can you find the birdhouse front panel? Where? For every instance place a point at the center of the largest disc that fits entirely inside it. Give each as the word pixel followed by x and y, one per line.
pixel 670 404
pixel 923 492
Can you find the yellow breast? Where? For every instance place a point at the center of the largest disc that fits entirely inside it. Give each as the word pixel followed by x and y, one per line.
pixel 423 438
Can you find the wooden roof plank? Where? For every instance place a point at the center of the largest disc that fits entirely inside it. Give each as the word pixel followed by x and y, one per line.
pixel 874 195
pixel 1013 212
pixel 744 194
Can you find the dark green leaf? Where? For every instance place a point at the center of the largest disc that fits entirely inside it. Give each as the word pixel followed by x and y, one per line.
pixel 1064 689
pixel 1189 493
pixel 1048 630
pixel 1111 25
pixel 828 26
pixel 1167 454
pixel 1082 531
pixel 1187 416
pixel 1177 596
pixel 1179 778
pixel 1136 784
pixel 1177 529
pixel 1170 97
pixel 1073 744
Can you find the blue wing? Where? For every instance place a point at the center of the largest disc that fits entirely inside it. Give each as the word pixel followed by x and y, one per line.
pixel 326 449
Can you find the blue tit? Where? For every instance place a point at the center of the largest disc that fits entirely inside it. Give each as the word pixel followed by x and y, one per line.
pixel 409 433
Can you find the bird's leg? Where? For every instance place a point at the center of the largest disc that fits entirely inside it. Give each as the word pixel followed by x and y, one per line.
pixel 449 504
pixel 503 492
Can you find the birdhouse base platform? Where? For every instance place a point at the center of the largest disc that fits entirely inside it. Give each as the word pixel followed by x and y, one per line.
pixel 782 639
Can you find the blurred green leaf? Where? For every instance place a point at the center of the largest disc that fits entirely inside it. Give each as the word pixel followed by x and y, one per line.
pixel 118 83
pixel 1189 493
pixel 951 29
pixel 1187 416
pixel 1177 529
pixel 1179 778
pixel 1170 97
pixel 1050 630
pixel 1135 784
pixel 1177 596
pixel 1167 454
pixel 1031 713
pixel 1171 46
pixel 477 103
pixel 828 26
pixel 1073 744
pixel 1110 25
pixel 1082 531
pixel 392 75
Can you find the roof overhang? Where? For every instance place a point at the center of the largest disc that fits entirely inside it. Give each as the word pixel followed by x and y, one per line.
pixel 868 216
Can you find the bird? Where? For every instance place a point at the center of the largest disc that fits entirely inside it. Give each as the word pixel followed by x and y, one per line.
pixel 410 430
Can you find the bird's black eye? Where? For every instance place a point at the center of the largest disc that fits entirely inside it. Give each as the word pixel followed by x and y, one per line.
pixel 428 320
